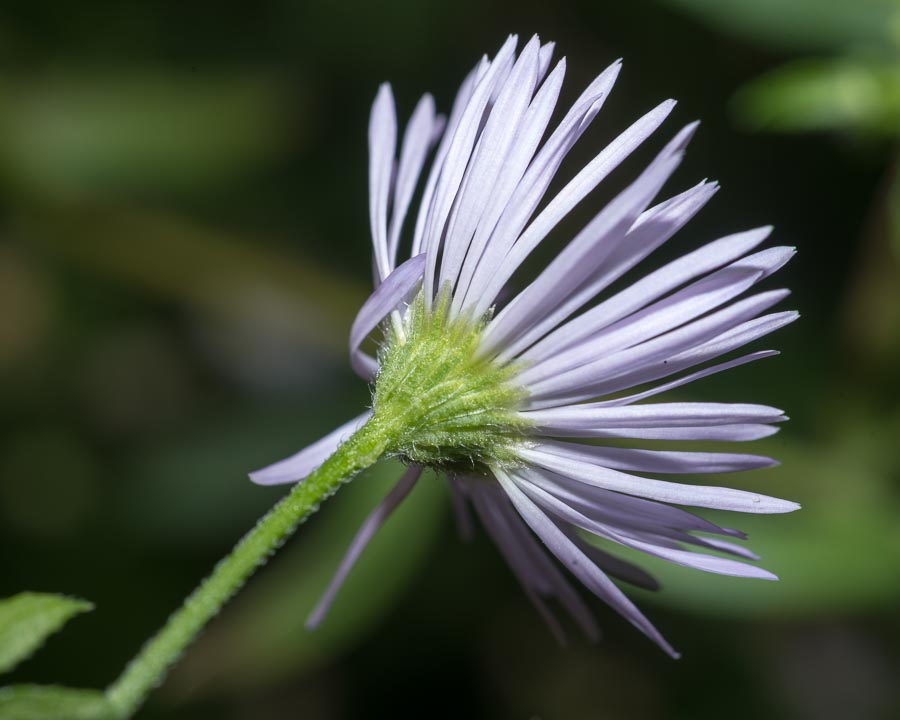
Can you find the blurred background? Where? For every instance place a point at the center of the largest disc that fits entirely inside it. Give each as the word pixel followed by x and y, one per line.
pixel 184 243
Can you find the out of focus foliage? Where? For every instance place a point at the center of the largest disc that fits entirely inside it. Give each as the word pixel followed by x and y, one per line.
pixel 851 83
pixel 183 244
pixel 804 25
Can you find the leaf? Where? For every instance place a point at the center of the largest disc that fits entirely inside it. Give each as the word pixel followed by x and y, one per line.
pixel 27 619
pixel 824 95
pixel 804 25
pixel 51 702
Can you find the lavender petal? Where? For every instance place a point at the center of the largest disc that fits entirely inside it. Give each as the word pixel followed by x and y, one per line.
pixel 587 251
pixel 488 159
pixel 301 464
pixel 674 414
pixel 699 561
pixel 458 156
pixel 578 563
pixel 721 433
pixel 417 140
pixel 396 287
pixel 500 267
pixel 571 462
pixel 652 229
pixel 536 574
pixel 534 183
pixel 731 339
pixel 679 382
pixel 364 535
pixel 382 145
pixel 515 166
pixel 578 384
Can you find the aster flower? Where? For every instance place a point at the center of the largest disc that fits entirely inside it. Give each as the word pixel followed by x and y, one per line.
pixel 522 405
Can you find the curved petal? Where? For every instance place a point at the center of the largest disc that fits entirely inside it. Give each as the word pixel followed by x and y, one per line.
pixel 732 339
pixel 418 138
pixel 674 414
pixel 570 461
pixel 298 466
pixel 710 293
pixel 382 146
pixel 464 523
pixel 664 550
pixel 448 131
pixel 488 160
pixel 744 432
pixel 534 183
pixel 691 377
pixel 536 573
pixel 585 254
pixel 576 562
pixel 652 229
pixel 619 509
pixel 616 566
pixel 520 157
pixel 676 462
pixel 458 157
pixel 363 536
pixel 580 383
pixel 395 288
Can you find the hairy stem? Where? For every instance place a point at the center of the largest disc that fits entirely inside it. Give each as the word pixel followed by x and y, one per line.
pixel 148 669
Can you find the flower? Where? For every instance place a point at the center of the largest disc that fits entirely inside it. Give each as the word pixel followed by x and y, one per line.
pixel 523 406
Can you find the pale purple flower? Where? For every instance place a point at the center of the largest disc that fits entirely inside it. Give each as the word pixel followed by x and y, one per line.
pixel 590 361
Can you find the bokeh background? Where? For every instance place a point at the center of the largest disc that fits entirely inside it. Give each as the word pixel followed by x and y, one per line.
pixel 183 245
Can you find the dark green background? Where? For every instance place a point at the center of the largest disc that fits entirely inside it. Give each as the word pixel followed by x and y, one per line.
pixel 183 244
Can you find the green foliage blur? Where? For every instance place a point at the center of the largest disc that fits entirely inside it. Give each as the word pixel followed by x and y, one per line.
pixel 183 246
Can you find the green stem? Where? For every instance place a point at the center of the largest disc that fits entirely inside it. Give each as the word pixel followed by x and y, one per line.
pixel 148 669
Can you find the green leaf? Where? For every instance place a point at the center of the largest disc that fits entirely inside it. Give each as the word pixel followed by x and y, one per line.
pixel 27 619
pixel 824 95
pixel 805 25
pixel 50 702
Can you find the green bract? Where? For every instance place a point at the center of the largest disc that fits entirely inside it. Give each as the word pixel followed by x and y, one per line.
pixel 447 406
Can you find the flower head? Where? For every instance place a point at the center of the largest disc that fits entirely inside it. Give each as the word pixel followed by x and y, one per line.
pixel 522 405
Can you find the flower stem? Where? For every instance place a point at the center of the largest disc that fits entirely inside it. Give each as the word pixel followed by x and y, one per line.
pixel 148 669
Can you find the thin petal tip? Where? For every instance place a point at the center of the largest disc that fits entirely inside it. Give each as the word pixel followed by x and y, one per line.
pixel 667 105
pixel 260 477
pixel 312 622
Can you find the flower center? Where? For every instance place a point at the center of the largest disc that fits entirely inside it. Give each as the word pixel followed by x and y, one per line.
pixel 449 408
